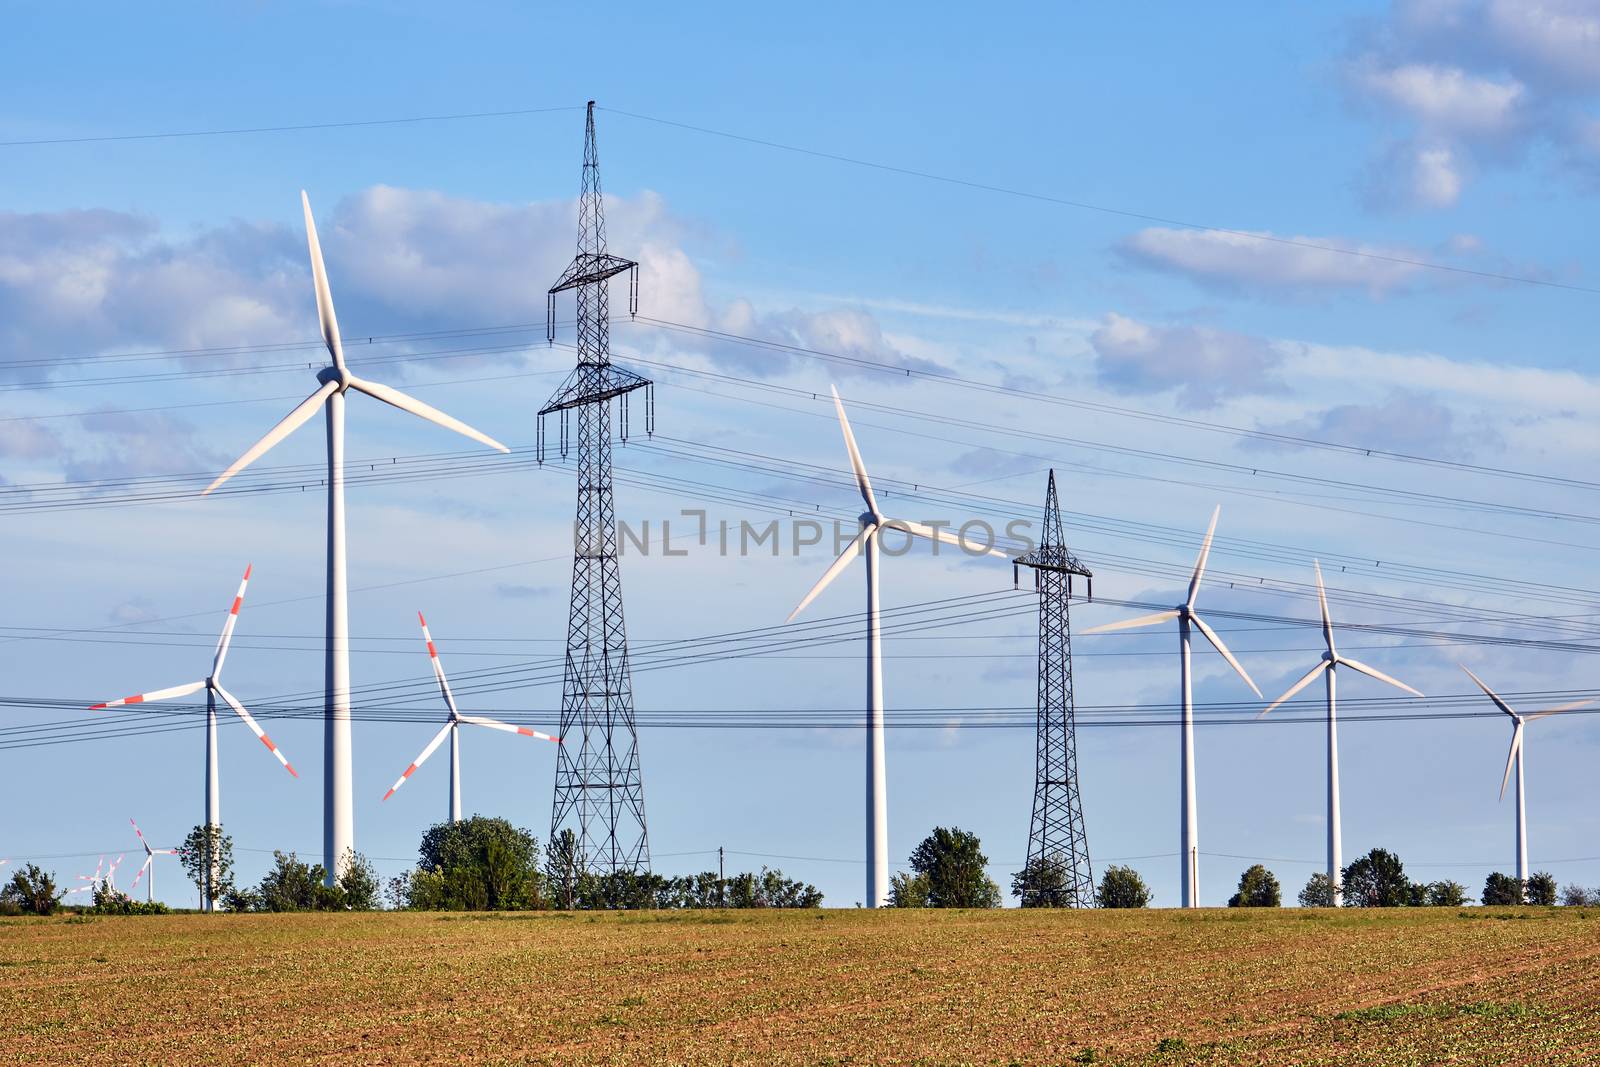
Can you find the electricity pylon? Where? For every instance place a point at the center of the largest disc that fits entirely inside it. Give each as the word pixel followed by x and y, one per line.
pixel 1057 872
pixel 598 783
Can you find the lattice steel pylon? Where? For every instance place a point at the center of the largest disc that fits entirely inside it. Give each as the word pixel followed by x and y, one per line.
pixel 1057 873
pixel 598 782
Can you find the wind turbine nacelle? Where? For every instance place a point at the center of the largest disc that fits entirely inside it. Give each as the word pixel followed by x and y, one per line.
pixel 334 374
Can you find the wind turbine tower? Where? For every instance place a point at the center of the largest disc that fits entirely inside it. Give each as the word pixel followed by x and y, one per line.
pixel 598 783
pixel 1058 871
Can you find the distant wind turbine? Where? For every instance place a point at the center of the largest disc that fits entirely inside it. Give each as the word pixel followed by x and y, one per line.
pixel 212 684
pixel 866 542
pixel 452 724
pixel 1189 832
pixel 150 855
pixel 338 833
pixel 1328 667
pixel 1514 757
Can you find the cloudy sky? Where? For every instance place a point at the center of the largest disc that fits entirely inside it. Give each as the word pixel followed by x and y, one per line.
pixel 1328 269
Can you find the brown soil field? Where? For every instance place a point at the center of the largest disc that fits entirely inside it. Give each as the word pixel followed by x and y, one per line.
pixel 1422 986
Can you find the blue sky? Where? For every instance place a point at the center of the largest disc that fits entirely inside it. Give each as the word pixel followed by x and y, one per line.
pixel 1456 133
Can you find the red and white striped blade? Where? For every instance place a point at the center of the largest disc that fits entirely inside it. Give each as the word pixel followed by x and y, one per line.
pixel 255 728
pixel 147 849
pixel 495 724
pixel 438 668
pixel 148 860
pixel 227 627
pixel 159 694
pixel 438 739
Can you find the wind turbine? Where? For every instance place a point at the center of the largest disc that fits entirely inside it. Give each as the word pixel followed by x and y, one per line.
pixel 452 724
pixel 89 880
pixel 1328 667
pixel 338 832
pixel 150 855
pixel 1514 756
pixel 1189 832
pixel 212 684
pixel 866 542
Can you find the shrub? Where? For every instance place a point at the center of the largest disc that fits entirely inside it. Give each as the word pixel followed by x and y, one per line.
pixel 1122 887
pixel 1502 889
pixel 908 890
pixel 1542 888
pixel 1376 880
pixel 1257 889
pixel 1318 892
pixel 31 891
pixel 1445 895
pixel 954 865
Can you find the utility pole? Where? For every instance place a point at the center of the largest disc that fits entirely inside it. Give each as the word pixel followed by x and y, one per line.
pixel 1057 873
pixel 598 783
pixel 722 881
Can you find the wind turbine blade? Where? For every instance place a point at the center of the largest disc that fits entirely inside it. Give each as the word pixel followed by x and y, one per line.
pixel 1216 643
pixel 495 724
pixel 1205 553
pixel 862 481
pixel 1373 672
pixel 851 551
pixel 227 627
pixel 1310 677
pixel 159 694
pixel 148 860
pixel 1327 621
pixel 1576 704
pixel 1130 624
pixel 286 426
pixel 148 851
pixel 319 276
pixel 416 407
pixel 934 533
pixel 1490 693
pixel 1511 757
pixel 438 739
pixel 438 669
pixel 255 728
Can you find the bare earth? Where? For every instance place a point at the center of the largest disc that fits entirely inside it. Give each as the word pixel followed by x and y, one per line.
pixel 1424 986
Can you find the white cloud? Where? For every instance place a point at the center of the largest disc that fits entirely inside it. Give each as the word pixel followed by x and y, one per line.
pixel 1259 259
pixel 1203 366
pixel 1448 99
pixel 1405 421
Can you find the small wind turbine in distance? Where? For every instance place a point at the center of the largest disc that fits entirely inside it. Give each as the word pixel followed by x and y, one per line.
pixel 866 542
pixel 338 832
pixel 212 684
pixel 90 880
pixel 1328 667
pixel 1189 832
pixel 452 724
pixel 150 855
pixel 1514 756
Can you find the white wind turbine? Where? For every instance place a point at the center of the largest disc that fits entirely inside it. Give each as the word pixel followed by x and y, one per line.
pixel 1514 756
pixel 866 542
pixel 212 684
pixel 452 724
pixel 338 832
pixel 1328 667
pixel 1189 832
pixel 89 880
pixel 150 855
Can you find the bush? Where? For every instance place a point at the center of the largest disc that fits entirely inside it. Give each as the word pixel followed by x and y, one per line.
pixel 1121 887
pixel 359 883
pixel 1318 892
pixel 480 864
pixel 1376 880
pixel 1257 889
pixel 954 865
pixel 908 890
pixel 1542 888
pixel 1445 895
pixel 1576 896
pixel 111 901
pixel 295 886
pixel 31 891
pixel 1047 882
pixel 1502 889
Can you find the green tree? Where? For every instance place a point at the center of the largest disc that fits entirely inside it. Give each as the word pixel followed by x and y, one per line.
pixel 1258 888
pixel 1445 895
pixel 477 864
pixel 1502 889
pixel 292 885
pixel 1576 896
pixel 31 890
pixel 908 890
pixel 1318 892
pixel 1376 880
pixel 1121 887
pixel 953 862
pixel 1542 889
pixel 564 870
pixel 359 882
pixel 1044 882
pixel 207 849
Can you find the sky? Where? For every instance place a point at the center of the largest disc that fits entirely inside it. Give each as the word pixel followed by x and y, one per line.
pixel 1160 255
